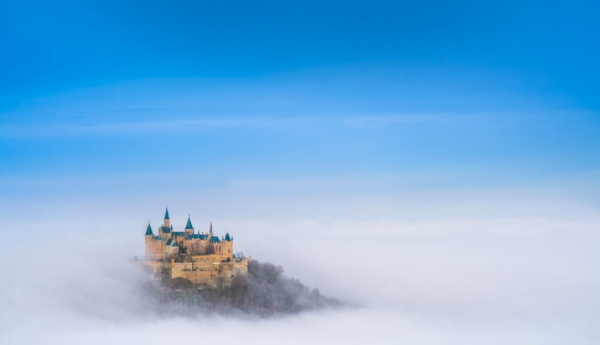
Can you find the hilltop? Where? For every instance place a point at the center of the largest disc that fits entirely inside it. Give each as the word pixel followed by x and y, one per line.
pixel 264 291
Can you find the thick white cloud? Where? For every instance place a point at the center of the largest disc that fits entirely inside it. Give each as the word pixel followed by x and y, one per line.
pixel 455 266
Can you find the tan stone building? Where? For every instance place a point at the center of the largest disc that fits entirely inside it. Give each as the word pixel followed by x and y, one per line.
pixel 202 258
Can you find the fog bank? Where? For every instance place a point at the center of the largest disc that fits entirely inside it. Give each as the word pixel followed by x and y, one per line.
pixel 521 277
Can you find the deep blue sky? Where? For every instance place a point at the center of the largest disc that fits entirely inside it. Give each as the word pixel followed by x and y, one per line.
pixel 485 92
pixel 48 47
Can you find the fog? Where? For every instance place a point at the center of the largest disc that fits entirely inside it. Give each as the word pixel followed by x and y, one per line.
pixel 427 267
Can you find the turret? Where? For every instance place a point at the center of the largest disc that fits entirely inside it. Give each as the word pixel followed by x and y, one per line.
pixel 189 229
pixel 149 231
pixel 167 219
pixel 150 244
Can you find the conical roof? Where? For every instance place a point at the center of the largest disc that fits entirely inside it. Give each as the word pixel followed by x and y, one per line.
pixel 189 224
pixel 167 214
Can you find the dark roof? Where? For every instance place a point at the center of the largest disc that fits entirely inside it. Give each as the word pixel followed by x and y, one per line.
pixel 174 244
pixel 157 238
pixel 227 237
pixel 215 239
pixel 165 229
pixel 167 214
pixel 200 236
pixel 178 233
pixel 149 230
pixel 189 224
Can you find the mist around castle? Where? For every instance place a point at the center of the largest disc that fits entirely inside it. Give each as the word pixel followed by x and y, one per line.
pixel 193 273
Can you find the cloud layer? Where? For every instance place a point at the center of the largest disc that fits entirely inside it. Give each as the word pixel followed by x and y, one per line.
pixel 495 274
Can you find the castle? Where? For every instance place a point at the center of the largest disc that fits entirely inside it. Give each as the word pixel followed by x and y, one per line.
pixel 198 257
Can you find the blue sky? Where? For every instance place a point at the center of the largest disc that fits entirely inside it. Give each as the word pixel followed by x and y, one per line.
pixel 463 93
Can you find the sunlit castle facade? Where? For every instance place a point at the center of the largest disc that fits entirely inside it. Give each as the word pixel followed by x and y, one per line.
pixel 197 256
pixel 188 241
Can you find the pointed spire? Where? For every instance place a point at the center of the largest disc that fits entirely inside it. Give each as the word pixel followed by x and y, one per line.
pixel 189 224
pixel 149 229
pixel 211 232
pixel 167 214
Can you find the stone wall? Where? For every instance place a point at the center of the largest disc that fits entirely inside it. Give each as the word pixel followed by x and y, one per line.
pixel 154 249
pixel 202 270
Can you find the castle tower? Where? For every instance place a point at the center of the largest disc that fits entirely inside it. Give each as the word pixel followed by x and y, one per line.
pixel 211 231
pixel 228 246
pixel 150 244
pixel 189 229
pixel 167 219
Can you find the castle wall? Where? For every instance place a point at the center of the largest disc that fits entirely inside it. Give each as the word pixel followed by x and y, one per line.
pixel 154 249
pixel 208 272
pixel 209 258
pixel 224 248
